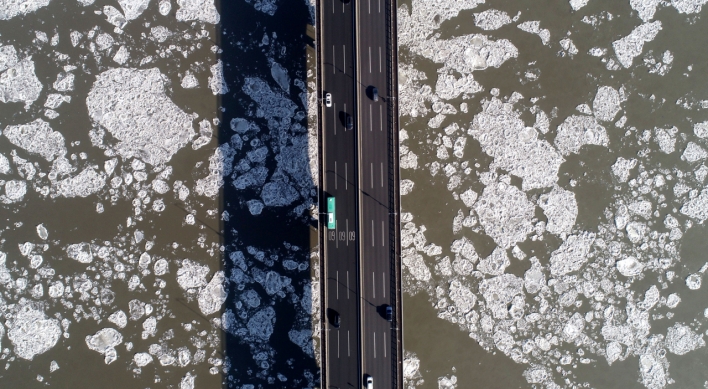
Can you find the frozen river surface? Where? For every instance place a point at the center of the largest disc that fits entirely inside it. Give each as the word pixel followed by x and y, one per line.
pixel 156 194
pixel 554 182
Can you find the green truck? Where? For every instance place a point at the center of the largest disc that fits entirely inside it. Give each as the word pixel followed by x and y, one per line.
pixel 331 219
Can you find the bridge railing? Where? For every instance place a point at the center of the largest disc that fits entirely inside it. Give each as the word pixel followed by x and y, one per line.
pixel 394 192
pixel 320 200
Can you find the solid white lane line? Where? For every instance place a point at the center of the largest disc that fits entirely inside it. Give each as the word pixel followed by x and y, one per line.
pixel 347 284
pixel 379 6
pixel 372 233
pixel 372 175
pixel 382 176
pixel 369 6
pixel 380 58
pixel 374 344
pixel 333 5
pixel 335 175
pixel 380 118
pixel 337 284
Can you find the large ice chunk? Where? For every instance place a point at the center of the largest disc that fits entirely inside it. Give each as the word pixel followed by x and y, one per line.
pixel 202 10
pixel 629 47
pixel 572 254
pixel 132 105
pixel 192 275
pixel 515 147
pixel 37 137
pixel 561 209
pixel 213 295
pixel 11 8
pixel 577 131
pixel 133 8
pixel 505 213
pixel 31 332
pixel 19 83
pixel 104 342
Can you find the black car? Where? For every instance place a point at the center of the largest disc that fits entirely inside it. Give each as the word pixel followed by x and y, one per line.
pixel 336 320
pixel 389 313
pixel 349 122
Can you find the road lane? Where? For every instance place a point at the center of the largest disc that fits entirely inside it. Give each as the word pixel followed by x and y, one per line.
pixel 375 200
pixel 339 171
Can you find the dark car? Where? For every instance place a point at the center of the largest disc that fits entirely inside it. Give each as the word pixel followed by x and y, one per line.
pixel 336 320
pixel 349 122
pixel 389 313
pixel 374 93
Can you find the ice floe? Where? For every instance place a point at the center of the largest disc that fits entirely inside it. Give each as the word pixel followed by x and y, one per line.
pixel 577 4
pixel 491 19
pixel 132 105
pixel 577 131
pixel 37 137
pixel 622 167
pixel 84 184
pixel 132 9
pixel 515 147
pixel 104 342
pixel 688 6
pixel 202 10
pixel 561 209
pixel 645 8
pixel 680 339
pixel 12 8
pixel 192 275
pixel 266 6
pixel 606 103
pixel 31 332
pixel 534 27
pixel 217 83
pixel 572 254
pixel 693 153
pixel 213 295
pixel 629 47
pixel 19 83
pixel 505 213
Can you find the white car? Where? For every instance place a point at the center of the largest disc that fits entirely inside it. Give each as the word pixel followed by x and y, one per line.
pixel 328 99
pixel 369 382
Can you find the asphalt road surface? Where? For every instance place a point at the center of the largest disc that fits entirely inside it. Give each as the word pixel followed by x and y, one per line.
pixel 378 339
pixel 358 253
pixel 340 180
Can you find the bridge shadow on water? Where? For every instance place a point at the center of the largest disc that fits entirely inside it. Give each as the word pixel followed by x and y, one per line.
pixel 269 195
